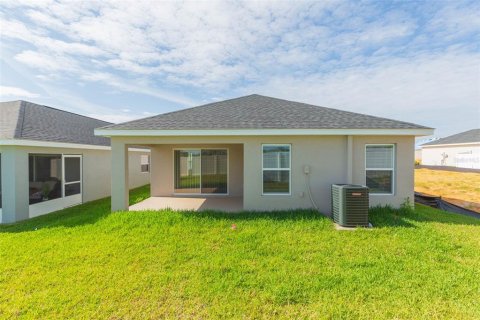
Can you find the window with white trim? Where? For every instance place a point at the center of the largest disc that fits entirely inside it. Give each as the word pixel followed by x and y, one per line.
pixel 54 176
pixel 276 162
pixel 380 168
pixel 145 163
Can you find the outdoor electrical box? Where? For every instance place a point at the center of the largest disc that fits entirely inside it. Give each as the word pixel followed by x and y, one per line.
pixel 350 205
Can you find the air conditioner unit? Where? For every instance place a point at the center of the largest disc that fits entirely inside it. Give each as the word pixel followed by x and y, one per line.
pixel 350 205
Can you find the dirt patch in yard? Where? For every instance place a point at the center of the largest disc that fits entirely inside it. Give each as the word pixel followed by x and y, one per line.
pixel 464 204
pixel 459 188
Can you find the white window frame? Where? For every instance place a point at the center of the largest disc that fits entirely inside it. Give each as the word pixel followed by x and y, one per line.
pixel 200 193
pixel 41 208
pixel 289 169
pixel 148 163
pixel 394 171
pixel 64 182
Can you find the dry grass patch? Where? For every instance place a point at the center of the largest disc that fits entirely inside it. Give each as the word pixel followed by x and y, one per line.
pixel 458 186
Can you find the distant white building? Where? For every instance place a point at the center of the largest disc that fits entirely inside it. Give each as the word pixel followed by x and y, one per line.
pixel 460 150
pixel 418 147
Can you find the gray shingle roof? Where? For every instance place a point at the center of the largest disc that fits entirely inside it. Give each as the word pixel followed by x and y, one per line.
pixel 463 137
pixel 261 112
pixel 29 121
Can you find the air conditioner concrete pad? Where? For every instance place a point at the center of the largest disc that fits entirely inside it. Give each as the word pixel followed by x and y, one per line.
pixel 339 227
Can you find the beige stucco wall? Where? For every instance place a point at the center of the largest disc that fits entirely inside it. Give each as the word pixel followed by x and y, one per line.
pixel 96 175
pixel 432 155
pixel 326 156
pixel 404 167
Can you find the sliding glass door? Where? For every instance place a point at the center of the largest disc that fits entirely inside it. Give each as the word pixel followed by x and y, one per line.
pixel 201 171
pixel 214 171
pixel 187 171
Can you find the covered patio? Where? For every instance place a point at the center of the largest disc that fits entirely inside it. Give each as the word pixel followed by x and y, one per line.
pixel 180 203
pixel 185 174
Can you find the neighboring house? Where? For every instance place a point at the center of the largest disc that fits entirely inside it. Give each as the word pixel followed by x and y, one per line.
pixel 268 152
pixel 459 150
pixel 418 155
pixel 50 159
pixel 418 148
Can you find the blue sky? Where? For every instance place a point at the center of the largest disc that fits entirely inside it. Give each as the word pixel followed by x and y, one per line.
pixel 120 60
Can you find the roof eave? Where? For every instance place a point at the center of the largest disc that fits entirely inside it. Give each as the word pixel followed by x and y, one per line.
pixel 51 144
pixel 452 144
pixel 262 132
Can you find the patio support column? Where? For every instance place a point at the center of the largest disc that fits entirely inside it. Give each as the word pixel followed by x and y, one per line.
pixel 350 159
pixel 119 175
pixel 252 173
pixel 14 184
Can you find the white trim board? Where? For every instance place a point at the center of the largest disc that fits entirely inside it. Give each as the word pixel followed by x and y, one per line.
pixel 41 208
pixel 50 144
pixel 264 132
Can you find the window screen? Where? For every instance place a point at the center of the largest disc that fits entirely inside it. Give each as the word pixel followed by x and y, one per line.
pixel 276 169
pixel 145 163
pixel 379 171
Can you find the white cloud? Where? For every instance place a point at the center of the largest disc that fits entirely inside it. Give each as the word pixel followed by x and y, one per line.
pixel 7 92
pixel 46 62
pixel 419 57
pixel 39 38
pixel 127 115
pixel 415 90
pixel 138 86
pixel 115 118
pixel 217 44
pixel 455 20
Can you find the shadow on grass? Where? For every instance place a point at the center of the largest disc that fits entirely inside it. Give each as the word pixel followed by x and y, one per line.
pixel 389 217
pixel 91 212
pixel 298 214
pixel 379 216
pixel 85 214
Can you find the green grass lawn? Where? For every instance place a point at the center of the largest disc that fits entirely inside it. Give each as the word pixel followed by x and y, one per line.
pixel 84 262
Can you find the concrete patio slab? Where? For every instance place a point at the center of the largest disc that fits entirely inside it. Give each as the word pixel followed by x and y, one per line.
pixel 228 204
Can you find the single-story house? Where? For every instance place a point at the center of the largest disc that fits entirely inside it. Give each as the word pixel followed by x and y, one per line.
pixel 461 150
pixel 50 159
pixel 264 153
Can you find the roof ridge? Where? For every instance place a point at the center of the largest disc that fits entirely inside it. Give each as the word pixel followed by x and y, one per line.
pixel 208 104
pixel 21 114
pixel 247 111
pixel 24 102
pixel 335 109
pixel 176 111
